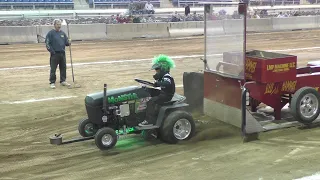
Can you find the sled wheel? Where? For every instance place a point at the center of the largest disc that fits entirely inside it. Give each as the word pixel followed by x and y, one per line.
pixel 305 105
pixel 87 128
pixel 105 138
pixel 178 126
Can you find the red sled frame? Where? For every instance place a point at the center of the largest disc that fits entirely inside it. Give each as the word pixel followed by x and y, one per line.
pixel 228 81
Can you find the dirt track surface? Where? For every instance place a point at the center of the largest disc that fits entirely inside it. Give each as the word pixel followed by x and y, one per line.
pixel 216 152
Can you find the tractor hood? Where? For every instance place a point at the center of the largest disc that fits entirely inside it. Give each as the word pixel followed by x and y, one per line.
pixel 116 96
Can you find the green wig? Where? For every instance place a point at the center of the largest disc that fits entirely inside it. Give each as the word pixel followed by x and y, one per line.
pixel 162 62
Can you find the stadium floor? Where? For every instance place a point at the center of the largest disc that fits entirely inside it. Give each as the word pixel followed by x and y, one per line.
pixel 217 151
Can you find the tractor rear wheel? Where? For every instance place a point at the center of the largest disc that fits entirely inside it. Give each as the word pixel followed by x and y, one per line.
pixel 305 105
pixel 178 126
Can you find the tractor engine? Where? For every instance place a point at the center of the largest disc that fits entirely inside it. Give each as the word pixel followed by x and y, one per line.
pixel 118 106
pixel 115 114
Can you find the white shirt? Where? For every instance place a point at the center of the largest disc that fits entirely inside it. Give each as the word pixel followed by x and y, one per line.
pixel 148 6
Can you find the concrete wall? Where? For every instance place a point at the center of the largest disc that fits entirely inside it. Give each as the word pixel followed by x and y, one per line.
pixel 79 31
pixel 19 34
pixel 259 25
pixel 141 30
pixel 180 29
pixel 295 23
pixel 22 34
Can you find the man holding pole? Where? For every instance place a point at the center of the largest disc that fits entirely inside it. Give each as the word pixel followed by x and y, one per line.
pixel 56 40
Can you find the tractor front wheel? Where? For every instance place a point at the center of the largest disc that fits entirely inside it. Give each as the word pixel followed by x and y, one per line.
pixel 87 128
pixel 106 138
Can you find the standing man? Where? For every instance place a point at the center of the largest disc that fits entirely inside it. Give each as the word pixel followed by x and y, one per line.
pixel 149 8
pixel 132 8
pixel 187 10
pixel 56 41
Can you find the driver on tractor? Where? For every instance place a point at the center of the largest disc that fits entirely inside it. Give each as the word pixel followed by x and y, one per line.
pixel 162 65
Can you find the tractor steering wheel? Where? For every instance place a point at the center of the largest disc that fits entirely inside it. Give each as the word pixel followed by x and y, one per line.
pixel 144 82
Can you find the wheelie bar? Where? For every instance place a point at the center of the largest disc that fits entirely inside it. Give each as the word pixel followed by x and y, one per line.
pixel 57 139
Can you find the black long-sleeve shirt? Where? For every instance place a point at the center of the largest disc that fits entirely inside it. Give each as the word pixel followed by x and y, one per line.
pixel 167 84
pixel 56 41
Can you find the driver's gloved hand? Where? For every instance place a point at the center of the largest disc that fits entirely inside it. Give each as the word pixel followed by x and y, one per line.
pixel 156 84
pixel 143 86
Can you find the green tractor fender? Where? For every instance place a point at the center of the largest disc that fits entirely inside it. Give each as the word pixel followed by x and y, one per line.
pixel 166 110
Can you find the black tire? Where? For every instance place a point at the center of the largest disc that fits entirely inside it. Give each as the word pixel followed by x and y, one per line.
pixel 166 130
pixel 137 132
pixel 149 134
pixel 100 135
pixel 85 130
pixel 295 104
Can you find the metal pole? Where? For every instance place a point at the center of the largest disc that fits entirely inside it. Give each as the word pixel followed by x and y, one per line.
pixel 244 41
pixel 244 90
pixel 70 52
pixel 243 110
pixel 205 35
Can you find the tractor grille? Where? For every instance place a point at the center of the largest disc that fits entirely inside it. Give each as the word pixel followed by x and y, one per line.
pixel 94 114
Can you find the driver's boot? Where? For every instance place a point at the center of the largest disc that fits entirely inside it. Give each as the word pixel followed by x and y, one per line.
pixel 145 123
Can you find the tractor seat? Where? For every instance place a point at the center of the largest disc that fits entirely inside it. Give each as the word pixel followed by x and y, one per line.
pixel 176 98
pixel 169 103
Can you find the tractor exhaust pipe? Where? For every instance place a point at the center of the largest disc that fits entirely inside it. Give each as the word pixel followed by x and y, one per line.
pixel 105 99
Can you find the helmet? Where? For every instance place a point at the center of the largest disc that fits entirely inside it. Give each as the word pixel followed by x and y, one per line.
pixel 162 62
pixel 156 66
